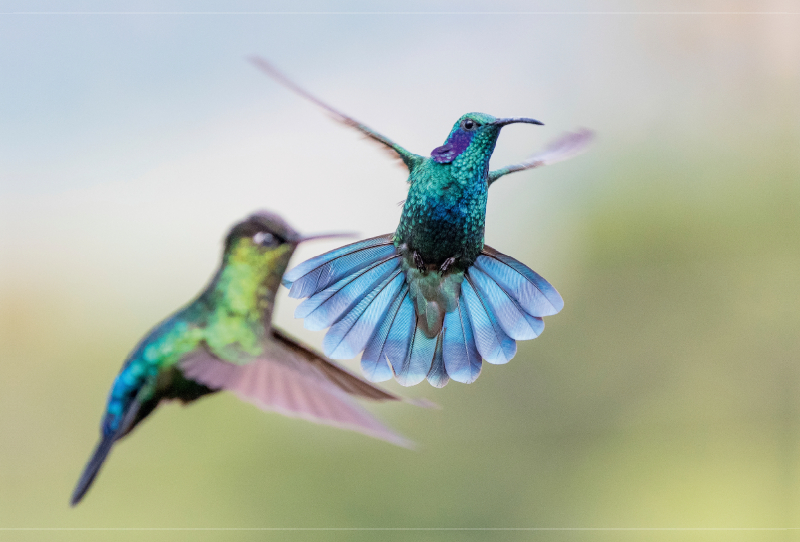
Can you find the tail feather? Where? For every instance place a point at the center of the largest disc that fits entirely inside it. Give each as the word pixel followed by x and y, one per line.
pixel 318 273
pixel 461 357
pixel 529 289
pixel 349 335
pixel 401 334
pixel 328 306
pixel 92 468
pixel 373 360
pixel 493 343
pixel 511 317
pixel 437 376
pixel 416 365
pixel 536 323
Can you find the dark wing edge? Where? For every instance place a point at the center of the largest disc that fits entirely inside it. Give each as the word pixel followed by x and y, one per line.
pixel 343 379
pixel 409 159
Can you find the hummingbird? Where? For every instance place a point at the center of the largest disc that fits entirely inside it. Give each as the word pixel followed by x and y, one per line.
pixel 225 340
pixel 430 300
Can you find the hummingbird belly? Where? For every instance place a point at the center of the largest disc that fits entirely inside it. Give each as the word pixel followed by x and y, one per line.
pixel 441 225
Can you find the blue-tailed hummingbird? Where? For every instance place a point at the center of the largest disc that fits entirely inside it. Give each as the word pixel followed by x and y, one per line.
pixel 430 300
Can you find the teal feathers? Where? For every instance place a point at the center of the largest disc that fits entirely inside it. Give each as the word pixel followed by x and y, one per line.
pixel 224 340
pixel 430 300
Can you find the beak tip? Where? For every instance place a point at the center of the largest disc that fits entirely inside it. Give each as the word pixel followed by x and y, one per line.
pixel 504 122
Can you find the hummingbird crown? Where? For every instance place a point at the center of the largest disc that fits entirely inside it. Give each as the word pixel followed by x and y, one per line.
pixel 266 229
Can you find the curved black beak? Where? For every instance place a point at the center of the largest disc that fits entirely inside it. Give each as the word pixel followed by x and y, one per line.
pixel 304 238
pixel 514 120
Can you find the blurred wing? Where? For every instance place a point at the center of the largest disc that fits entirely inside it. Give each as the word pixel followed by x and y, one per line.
pixel 410 159
pixel 295 382
pixel 343 379
pixel 563 148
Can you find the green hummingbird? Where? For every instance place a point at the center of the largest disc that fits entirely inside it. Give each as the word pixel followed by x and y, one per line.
pixel 430 300
pixel 225 339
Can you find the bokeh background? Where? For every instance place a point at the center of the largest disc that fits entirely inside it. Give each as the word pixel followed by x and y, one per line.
pixel 664 395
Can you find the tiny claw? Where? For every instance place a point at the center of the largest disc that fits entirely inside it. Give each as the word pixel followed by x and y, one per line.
pixel 447 263
pixel 418 261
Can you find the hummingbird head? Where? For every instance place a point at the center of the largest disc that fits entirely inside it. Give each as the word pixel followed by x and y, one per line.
pixel 260 247
pixel 473 133
pixel 263 229
pixel 266 239
pixel 257 251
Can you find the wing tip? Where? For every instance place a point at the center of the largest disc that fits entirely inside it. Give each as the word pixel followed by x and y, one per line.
pixel 422 403
pixel 370 425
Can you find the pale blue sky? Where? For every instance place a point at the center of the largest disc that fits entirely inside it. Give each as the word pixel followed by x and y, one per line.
pixel 140 138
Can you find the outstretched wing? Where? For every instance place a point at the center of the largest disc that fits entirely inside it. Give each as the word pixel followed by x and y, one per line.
pixel 410 159
pixel 563 148
pixel 297 382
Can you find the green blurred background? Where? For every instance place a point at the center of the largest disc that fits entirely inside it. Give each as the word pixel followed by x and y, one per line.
pixel 664 395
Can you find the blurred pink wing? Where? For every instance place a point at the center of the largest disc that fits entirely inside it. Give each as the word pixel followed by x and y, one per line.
pixel 565 147
pixel 295 382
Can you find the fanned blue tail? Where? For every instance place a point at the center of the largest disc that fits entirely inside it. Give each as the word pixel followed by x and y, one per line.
pixel 361 292
pixel 318 273
pixel 438 376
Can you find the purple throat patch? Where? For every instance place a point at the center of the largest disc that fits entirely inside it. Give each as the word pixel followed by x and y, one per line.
pixel 454 146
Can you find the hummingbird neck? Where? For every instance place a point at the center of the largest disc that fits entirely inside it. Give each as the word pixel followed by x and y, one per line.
pixel 472 166
pixel 248 281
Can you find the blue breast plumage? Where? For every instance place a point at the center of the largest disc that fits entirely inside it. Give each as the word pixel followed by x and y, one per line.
pixel 444 214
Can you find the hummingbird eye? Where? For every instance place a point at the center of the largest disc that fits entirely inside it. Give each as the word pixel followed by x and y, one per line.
pixel 469 125
pixel 264 239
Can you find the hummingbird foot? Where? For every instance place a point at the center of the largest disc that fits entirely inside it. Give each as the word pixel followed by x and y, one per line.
pixel 447 263
pixel 418 261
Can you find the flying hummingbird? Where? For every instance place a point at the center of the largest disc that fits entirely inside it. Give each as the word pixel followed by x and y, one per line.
pixel 430 300
pixel 224 339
